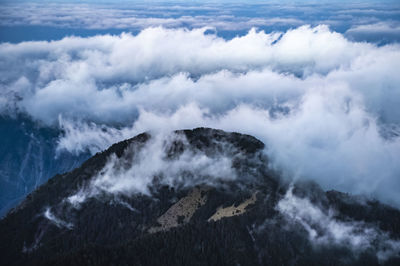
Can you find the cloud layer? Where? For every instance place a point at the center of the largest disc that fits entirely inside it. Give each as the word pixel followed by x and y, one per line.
pixel 326 107
pixel 100 77
pixel 142 15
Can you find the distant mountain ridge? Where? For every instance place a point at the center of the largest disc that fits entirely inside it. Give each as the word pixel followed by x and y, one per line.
pixel 28 158
pixel 184 209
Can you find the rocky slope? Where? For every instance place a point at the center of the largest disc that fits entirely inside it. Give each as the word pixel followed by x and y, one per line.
pixel 193 197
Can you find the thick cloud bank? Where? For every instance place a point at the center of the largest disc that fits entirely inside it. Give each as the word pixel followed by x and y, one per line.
pixel 326 107
pixel 108 78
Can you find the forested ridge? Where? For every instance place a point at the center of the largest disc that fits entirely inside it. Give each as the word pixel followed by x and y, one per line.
pixel 111 229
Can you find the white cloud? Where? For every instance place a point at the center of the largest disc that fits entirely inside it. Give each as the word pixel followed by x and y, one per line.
pixel 324 229
pixel 224 16
pixel 378 32
pixel 56 221
pixel 319 101
pixel 136 16
pixel 142 166
pixel 100 78
pixel 81 136
pixel 337 144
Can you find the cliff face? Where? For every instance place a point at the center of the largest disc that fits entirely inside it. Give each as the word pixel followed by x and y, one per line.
pixel 28 158
pixel 199 196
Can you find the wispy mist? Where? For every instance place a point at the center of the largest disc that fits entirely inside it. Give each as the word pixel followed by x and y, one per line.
pixel 324 229
pixel 158 163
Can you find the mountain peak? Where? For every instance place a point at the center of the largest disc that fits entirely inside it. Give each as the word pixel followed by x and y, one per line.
pixel 200 195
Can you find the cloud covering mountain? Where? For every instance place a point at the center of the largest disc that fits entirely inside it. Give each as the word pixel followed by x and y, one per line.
pixel 326 107
pixel 318 83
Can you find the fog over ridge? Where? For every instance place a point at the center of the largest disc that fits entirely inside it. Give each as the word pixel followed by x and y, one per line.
pixel 159 162
pixel 323 229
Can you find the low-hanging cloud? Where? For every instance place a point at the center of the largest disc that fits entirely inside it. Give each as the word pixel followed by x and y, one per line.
pixel 326 107
pixel 324 229
pixel 339 148
pixel 55 220
pixel 144 167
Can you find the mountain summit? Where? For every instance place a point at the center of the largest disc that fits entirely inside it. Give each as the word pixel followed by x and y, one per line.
pixel 194 197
